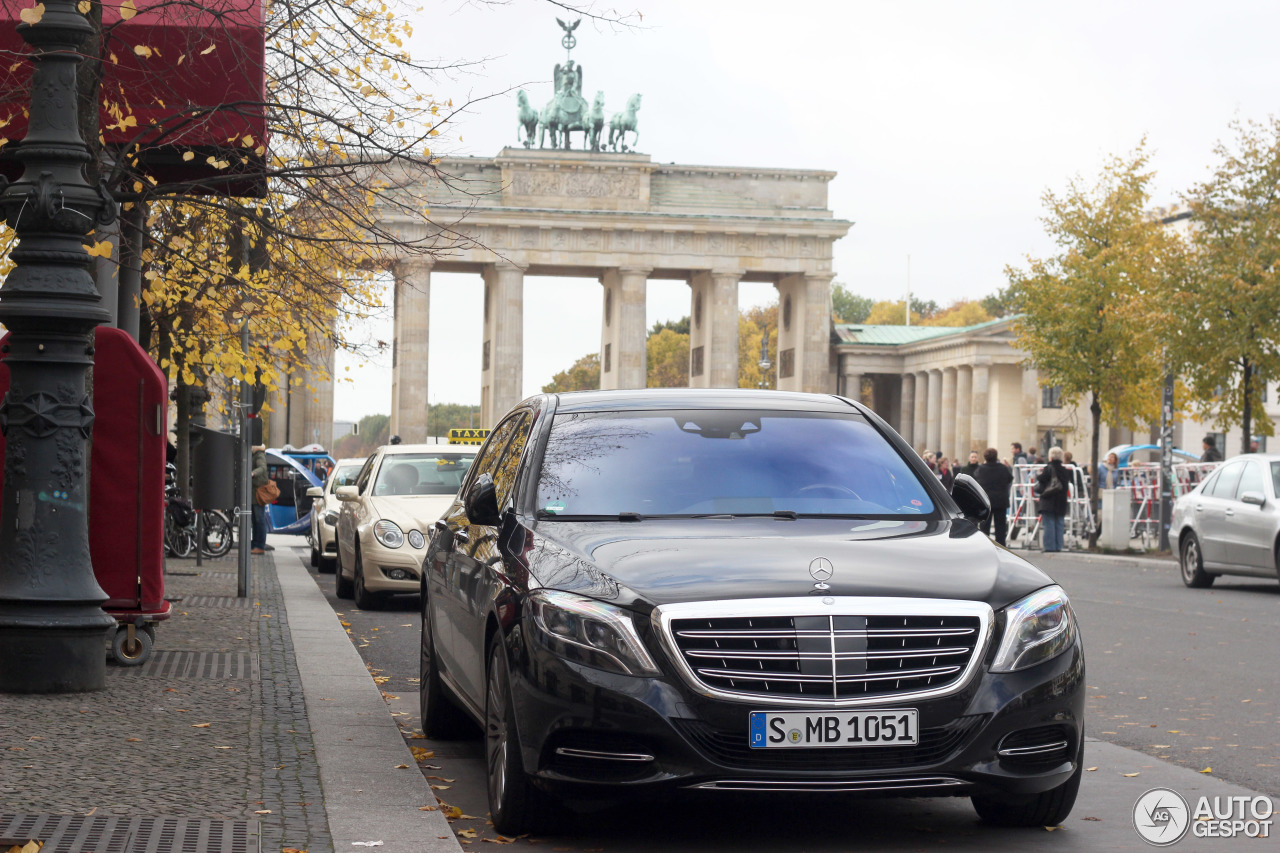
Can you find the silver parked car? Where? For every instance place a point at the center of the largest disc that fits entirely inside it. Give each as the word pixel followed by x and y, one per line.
pixel 1230 523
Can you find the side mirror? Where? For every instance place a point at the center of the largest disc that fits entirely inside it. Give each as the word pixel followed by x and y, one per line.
pixel 971 498
pixel 347 493
pixel 315 492
pixel 481 502
pixel 1255 498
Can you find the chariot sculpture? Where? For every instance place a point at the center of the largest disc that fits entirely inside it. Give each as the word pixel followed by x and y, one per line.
pixel 567 112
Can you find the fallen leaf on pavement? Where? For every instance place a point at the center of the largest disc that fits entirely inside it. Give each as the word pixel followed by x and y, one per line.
pixel 467 833
pixel 224 747
pixel 201 725
pixel 1052 828
pixel 133 740
pixel 441 787
pixel 421 753
pixel 1129 774
pixel 427 808
pixel 292 850
pixel 366 843
pixel 440 779
pixel 451 811
pixel 1091 818
pixel 263 811
pixel 1207 770
pixel 1091 769
pixel 402 766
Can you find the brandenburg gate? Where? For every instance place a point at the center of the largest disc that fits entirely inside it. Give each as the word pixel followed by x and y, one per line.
pixel 622 219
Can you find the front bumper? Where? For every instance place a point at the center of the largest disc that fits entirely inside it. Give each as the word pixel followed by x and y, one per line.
pixel 587 733
pixel 380 562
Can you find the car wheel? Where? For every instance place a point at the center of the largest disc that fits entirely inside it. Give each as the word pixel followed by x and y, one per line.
pixel 515 805
pixel 1048 809
pixel 1192 564
pixel 315 556
pixel 342 587
pixel 365 600
pixel 441 718
pixel 328 565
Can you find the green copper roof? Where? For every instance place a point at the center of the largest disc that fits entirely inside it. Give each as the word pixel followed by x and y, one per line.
pixel 861 333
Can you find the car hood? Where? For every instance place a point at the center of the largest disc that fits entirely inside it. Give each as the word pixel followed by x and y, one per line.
pixel 663 561
pixel 408 511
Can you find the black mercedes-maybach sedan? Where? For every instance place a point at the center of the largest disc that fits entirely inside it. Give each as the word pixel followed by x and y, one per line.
pixel 649 591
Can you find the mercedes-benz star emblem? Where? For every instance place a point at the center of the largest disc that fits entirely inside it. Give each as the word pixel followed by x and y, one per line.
pixel 821 570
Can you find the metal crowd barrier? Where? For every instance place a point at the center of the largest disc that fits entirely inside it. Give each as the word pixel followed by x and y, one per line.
pixel 1024 510
pixel 1143 482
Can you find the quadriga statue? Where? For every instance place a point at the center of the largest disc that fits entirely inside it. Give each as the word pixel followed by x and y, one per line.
pixel 528 119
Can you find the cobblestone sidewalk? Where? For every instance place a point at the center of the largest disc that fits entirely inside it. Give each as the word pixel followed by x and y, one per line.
pixel 213 726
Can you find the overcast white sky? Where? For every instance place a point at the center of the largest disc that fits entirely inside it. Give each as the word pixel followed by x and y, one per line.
pixel 945 122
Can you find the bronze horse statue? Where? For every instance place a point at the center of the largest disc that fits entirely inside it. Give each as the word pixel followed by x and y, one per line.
pixel 623 122
pixel 597 121
pixel 528 119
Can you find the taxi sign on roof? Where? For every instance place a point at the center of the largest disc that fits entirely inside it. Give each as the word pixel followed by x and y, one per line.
pixel 468 436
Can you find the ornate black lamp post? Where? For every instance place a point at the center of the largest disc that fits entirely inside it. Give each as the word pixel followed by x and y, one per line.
pixel 765 364
pixel 52 629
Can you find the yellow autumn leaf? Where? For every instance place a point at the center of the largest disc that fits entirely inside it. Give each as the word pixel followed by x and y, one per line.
pixel 467 833
pixel 422 754
pixel 1207 770
pixel 208 50
pixel 1129 775
pixel 84 6
pixel 128 10
pixel 99 250
pixel 33 15
pixel 402 766
pixel 200 725
pixel 142 50
pixel 188 155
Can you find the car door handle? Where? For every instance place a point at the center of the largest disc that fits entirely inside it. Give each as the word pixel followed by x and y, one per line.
pixel 1230 512
pixel 1199 507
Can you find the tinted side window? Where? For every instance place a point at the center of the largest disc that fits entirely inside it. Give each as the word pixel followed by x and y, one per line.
pixel 1250 480
pixel 1225 485
pixel 491 453
pixel 362 480
pixel 504 475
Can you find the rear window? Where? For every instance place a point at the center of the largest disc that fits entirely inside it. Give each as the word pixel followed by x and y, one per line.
pixel 422 473
pixel 346 475
pixel 740 462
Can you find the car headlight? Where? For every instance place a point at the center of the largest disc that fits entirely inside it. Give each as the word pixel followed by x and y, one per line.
pixel 1037 628
pixel 415 539
pixel 389 534
pixel 331 518
pixel 589 632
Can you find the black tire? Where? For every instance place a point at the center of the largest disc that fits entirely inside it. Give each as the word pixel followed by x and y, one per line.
pixel 515 805
pixel 342 587
pixel 1191 564
pixel 1048 809
pixel 315 557
pixel 327 565
pixel 217 535
pixel 134 654
pixel 365 599
pixel 441 718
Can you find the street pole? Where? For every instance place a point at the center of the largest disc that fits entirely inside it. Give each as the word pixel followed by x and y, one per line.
pixel 1166 461
pixel 53 631
pixel 246 475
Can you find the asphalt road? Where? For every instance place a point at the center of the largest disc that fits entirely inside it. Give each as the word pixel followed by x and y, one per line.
pixel 1180 680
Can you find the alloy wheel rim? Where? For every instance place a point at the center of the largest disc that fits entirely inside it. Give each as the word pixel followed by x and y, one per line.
pixel 1190 559
pixel 496 729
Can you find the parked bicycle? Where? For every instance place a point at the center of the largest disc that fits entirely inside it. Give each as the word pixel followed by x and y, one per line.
pixel 182 529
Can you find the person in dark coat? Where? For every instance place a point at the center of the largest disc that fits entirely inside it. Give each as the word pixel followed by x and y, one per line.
pixel 995 480
pixel 1053 507
pixel 974 462
pixel 1211 451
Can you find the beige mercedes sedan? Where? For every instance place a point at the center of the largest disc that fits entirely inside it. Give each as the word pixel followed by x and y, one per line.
pixel 385 517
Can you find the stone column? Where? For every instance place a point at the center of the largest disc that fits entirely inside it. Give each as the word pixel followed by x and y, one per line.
pixel 622 330
pixel 851 380
pixel 713 329
pixel 964 412
pixel 318 427
pixel 947 419
pixel 1031 411
pixel 804 336
pixel 502 358
pixel 933 420
pixel 920 422
pixel 907 409
pixel 409 349
pixel 979 428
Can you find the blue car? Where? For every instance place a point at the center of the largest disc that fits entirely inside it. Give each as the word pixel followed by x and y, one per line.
pixel 295 471
pixel 1146 453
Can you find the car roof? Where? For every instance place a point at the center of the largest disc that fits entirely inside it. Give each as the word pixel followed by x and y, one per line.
pixel 699 398
pixel 349 460
pixel 396 449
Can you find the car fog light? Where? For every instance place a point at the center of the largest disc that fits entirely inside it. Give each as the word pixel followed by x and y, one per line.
pixel 398 574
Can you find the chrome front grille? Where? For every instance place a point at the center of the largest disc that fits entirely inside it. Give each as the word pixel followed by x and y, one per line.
pixel 854 652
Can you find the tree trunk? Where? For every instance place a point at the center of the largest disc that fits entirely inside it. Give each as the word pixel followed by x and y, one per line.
pixel 1246 410
pixel 1095 416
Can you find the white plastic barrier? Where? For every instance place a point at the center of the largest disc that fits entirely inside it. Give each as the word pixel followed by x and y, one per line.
pixel 1024 513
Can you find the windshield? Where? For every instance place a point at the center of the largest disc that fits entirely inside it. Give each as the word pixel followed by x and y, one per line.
pixel 738 462
pixel 435 473
pixel 346 475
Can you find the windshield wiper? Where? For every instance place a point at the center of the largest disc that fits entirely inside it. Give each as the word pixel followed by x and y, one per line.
pixel 622 516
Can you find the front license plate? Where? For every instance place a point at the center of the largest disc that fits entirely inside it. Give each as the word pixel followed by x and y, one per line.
pixel 770 729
